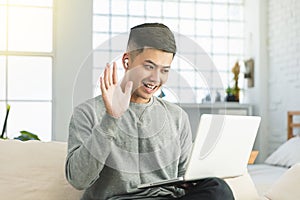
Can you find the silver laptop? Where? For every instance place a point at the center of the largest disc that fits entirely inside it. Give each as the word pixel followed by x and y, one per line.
pixel 222 148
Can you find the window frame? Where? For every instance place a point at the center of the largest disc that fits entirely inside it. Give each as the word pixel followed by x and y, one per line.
pixel 49 54
pixel 231 57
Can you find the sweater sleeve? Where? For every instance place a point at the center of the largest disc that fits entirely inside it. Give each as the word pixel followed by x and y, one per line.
pixel 186 143
pixel 89 145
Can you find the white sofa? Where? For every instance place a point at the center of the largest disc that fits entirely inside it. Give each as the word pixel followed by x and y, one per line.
pixel 35 170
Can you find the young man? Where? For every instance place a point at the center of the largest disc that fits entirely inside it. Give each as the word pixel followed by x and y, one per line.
pixel 126 136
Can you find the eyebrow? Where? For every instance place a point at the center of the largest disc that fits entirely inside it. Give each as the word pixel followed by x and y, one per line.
pixel 156 65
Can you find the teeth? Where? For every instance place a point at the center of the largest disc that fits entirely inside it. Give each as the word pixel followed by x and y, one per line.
pixel 150 86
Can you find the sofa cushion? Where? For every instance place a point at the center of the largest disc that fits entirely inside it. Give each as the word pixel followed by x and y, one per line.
pixel 34 170
pixel 287 154
pixel 243 187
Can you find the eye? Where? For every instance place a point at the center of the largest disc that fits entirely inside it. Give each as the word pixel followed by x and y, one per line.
pixel 165 70
pixel 150 67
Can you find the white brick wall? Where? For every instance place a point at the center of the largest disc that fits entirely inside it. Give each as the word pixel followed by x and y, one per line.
pixel 284 66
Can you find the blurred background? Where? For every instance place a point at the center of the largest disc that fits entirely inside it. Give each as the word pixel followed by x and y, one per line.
pixel 52 54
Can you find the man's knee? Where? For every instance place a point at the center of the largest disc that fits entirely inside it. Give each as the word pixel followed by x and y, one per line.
pixel 209 189
pixel 221 189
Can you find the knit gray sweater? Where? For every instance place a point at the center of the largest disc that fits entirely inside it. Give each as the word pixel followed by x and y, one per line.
pixel 109 157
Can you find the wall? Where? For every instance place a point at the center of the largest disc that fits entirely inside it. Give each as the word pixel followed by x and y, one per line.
pixel 276 88
pixel 256 48
pixel 284 65
pixel 73 43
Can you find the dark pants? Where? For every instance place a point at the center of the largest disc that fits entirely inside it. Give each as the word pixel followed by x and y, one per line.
pixel 208 189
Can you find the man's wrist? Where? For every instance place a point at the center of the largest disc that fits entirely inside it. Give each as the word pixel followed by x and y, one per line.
pixel 108 125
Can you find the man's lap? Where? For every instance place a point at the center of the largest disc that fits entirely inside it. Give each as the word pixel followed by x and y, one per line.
pixel 210 189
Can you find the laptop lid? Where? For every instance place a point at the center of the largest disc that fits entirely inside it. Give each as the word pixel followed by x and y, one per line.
pixel 222 146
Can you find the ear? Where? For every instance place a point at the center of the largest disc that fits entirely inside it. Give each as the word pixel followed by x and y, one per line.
pixel 125 61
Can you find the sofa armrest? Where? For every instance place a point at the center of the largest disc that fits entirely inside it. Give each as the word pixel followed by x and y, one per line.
pixel 288 185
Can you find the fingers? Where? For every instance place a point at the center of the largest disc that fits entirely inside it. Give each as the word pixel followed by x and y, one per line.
pixel 107 76
pixel 110 78
pixel 102 85
pixel 114 74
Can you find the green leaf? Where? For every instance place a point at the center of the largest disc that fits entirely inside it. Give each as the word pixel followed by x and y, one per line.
pixel 25 136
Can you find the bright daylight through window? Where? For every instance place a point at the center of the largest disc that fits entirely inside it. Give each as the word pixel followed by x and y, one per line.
pixel 26 55
pixel 217 26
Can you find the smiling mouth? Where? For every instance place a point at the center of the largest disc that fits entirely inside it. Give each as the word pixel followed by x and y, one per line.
pixel 150 86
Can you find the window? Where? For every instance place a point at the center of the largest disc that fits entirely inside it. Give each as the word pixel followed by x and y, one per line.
pixel 215 25
pixel 26 55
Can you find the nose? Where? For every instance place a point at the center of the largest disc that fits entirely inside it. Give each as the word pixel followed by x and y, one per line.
pixel 155 76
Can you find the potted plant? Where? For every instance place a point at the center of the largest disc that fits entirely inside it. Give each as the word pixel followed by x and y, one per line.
pixel 5 122
pixel 25 135
pixel 233 93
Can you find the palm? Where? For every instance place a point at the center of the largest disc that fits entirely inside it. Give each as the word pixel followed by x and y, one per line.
pixel 116 101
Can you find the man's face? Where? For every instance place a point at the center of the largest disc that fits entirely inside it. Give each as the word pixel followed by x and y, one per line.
pixel 148 71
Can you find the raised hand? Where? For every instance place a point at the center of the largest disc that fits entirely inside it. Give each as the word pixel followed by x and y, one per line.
pixel 116 101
